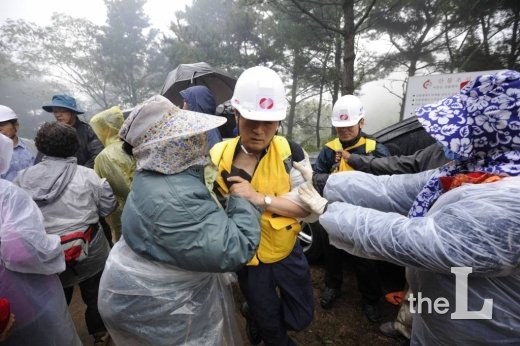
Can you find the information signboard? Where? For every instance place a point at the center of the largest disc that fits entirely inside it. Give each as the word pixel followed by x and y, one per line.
pixel 422 90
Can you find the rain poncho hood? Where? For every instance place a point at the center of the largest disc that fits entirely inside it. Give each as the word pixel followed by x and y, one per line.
pixel 46 183
pixel 200 99
pixel 106 125
pixel 482 124
pixel 113 163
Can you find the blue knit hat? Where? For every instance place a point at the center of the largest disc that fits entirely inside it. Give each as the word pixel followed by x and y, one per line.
pixel 63 101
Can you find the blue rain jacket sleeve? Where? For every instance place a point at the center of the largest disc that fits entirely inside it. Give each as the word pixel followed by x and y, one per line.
pixel 474 225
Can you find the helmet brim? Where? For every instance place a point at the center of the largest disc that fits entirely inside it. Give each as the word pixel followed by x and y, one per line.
pixel 336 123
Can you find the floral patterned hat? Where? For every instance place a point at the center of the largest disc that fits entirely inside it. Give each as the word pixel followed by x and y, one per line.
pixel 481 124
pixel 482 120
pixel 165 138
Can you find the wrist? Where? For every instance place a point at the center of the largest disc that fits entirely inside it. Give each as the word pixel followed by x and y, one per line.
pixel 267 201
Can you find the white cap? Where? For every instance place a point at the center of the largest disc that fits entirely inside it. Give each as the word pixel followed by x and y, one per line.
pixel 347 111
pixel 7 113
pixel 260 95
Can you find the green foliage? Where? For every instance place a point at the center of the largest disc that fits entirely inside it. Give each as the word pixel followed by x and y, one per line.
pixel 318 47
pixel 127 50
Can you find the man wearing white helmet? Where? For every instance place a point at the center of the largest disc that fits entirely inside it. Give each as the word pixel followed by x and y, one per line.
pixel 24 151
pixel 257 165
pixel 348 117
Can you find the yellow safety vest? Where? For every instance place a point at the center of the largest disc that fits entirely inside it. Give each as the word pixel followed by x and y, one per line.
pixel 278 233
pixel 335 144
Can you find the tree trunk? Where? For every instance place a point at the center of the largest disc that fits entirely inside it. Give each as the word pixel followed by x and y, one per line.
pixel 513 52
pixel 337 67
pixel 294 89
pixel 318 117
pixel 349 54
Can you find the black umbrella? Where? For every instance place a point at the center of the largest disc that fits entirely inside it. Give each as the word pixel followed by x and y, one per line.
pixel 219 82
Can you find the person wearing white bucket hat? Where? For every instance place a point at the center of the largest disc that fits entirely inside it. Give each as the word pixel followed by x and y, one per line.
pixel 164 281
pixel 258 166
pixel 24 150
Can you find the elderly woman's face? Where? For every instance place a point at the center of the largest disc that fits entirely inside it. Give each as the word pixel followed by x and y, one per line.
pixel 64 115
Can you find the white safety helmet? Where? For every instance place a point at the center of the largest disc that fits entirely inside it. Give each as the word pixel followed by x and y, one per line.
pixel 347 111
pixel 260 95
pixel 7 113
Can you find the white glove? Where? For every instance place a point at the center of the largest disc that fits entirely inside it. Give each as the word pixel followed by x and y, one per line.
pixel 304 167
pixel 312 198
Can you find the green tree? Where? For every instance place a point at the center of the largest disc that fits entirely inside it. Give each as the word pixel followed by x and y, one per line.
pixel 223 33
pixel 127 51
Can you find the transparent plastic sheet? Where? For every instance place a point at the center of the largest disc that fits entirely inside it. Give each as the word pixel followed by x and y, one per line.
pixel 29 262
pixel 475 226
pixel 41 312
pixel 144 302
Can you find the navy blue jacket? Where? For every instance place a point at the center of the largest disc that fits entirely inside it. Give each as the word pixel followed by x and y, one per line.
pixel 200 99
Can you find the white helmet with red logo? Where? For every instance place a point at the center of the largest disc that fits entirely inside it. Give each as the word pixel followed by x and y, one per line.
pixel 260 95
pixel 347 111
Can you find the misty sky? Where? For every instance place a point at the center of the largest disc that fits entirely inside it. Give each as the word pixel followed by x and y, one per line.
pixel 382 108
pixel 160 12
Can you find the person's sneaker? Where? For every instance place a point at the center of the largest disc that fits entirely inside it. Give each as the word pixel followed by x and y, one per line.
pixel 372 312
pixel 101 338
pixel 328 296
pixel 388 329
pixel 252 332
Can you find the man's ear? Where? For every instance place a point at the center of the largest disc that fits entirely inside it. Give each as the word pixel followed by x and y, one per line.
pixel 361 123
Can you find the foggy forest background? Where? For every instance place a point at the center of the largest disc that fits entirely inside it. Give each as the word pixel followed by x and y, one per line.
pixel 322 49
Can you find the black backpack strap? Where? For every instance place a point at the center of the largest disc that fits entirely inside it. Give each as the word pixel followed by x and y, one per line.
pixel 297 155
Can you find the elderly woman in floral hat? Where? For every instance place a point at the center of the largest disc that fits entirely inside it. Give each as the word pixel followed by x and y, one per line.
pixel 464 214
pixel 163 283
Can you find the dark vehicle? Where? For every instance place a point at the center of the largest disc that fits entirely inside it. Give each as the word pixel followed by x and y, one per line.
pixel 402 138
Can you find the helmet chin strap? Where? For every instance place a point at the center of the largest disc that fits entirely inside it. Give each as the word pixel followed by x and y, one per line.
pixel 245 150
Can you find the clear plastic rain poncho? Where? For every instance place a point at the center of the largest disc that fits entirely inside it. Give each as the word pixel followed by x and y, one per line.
pixel 473 225
pixel 171 306
pixel 29 262
pixel 162 283
pixel 112 163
